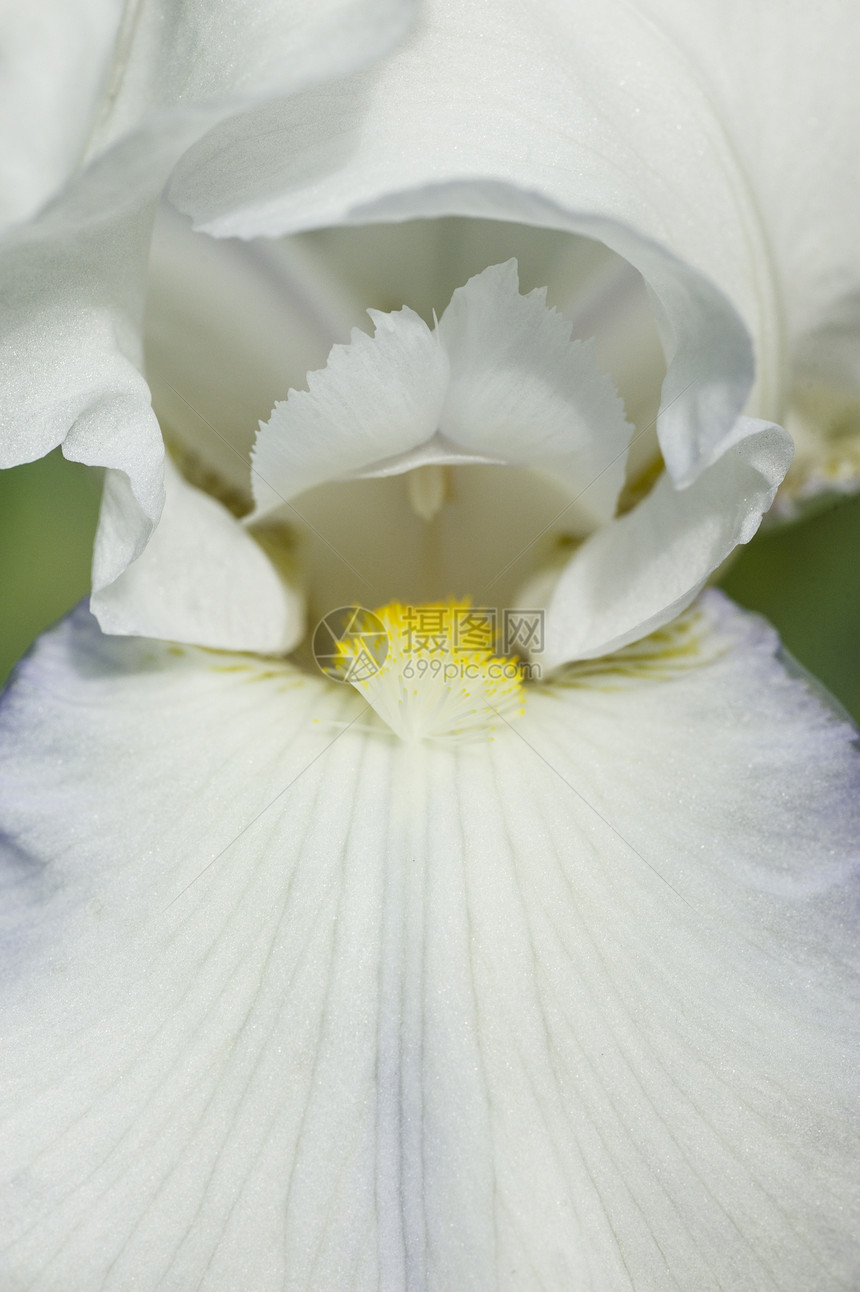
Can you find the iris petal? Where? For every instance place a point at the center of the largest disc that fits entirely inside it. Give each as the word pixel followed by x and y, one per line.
pixel 298 1006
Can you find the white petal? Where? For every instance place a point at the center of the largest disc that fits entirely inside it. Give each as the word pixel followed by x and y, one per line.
pixel 296 1007
pixel 798 160
pixel 423 263
pixel 74 275
pixel 70 365
pixel 55 54
pixel 229 327
pixel 522 391
pixel 202 579
pixel 570 117
pixel 499 381
pixel 376 398
pixel 674 120
pixel 638 572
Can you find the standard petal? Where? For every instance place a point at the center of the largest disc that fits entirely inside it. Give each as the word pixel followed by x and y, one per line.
pixel 294 1006
pixel 640 571
pixel 673 120
pixel 377 397
pixel 522 391
pixel 202 579
pixel 74 274
pixel 569 118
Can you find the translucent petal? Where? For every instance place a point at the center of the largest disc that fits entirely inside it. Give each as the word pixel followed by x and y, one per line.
pixel 709 129
pixel 570 118
pixel 229 327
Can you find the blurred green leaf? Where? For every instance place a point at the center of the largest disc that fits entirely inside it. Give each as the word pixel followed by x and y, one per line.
pixel 805 578
pixel 48 512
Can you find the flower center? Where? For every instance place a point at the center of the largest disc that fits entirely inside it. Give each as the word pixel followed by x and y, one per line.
pixel 438 677
pixel 429 535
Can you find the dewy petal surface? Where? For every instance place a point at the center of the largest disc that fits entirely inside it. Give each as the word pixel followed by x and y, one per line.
pixel 74 273
pixel 293 1006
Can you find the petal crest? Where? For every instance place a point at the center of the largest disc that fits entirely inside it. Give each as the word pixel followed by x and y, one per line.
pixel 498 380
pixel 377 397
pixel 522 391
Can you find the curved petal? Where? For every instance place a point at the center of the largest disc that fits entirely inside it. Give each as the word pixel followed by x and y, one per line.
pixel 521 391
pixel 640 571
pixel 296 1006
pixel 74 274
pixel 673 120
pixel 202 579
pixel 572 118
pixel 802 171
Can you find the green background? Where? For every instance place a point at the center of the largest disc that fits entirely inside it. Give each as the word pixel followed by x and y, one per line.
pixel 805 578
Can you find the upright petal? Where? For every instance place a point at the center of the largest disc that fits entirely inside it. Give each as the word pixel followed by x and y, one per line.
pixel 521 391
pixel 302 1007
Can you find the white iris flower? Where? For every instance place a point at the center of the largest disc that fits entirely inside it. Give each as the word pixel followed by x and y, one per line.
pixel 508 961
